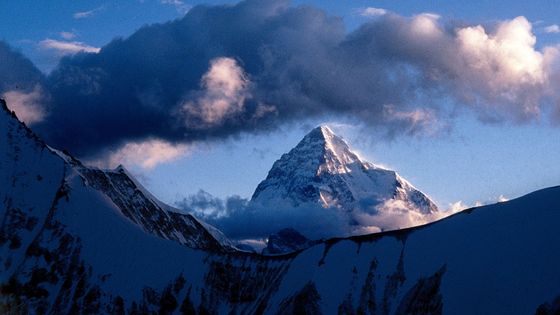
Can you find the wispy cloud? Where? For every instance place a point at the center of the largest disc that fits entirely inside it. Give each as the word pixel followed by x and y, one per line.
pixel 145 154
pixel 87 14
pixel 554 28
pixel 180 6
pixel 370 12
pixel 67 48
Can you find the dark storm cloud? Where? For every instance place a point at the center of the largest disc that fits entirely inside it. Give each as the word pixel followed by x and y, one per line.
pixel 16 71
pixel 298 62
pixel 136 87
pixel 222 70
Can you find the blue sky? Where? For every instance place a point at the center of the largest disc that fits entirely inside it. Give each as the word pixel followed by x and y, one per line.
pixel 473 161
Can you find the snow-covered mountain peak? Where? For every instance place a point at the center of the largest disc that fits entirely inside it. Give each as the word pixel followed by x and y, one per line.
pixel 322 133
pixel 322 170
pixel 331 151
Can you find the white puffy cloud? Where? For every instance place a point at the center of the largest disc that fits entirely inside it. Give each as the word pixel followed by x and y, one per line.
pixel 225 89
pixel 503 67
pixel 426 25
pixel 87 14
pixel 145 154
pixel 67 48
pixel 28 106
pixel 496 70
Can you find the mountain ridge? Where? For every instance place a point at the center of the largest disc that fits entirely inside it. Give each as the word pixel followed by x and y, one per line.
pixel 64 248
pixel 136 203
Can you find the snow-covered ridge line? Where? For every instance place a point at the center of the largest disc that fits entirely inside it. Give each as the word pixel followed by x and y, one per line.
pixel 152 215
pixel 138 205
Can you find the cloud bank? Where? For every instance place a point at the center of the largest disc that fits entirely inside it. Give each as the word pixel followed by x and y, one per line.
pixel 241 219
pixel 249 67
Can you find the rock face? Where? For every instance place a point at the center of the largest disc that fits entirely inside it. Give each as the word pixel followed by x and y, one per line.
pixel 322 170
pixel 69 245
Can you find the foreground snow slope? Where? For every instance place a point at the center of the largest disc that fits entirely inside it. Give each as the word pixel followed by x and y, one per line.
pixel 499 259
pixel 67 246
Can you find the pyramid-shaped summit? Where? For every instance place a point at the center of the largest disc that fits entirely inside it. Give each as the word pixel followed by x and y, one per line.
pixel 322 169
pixel 332 152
